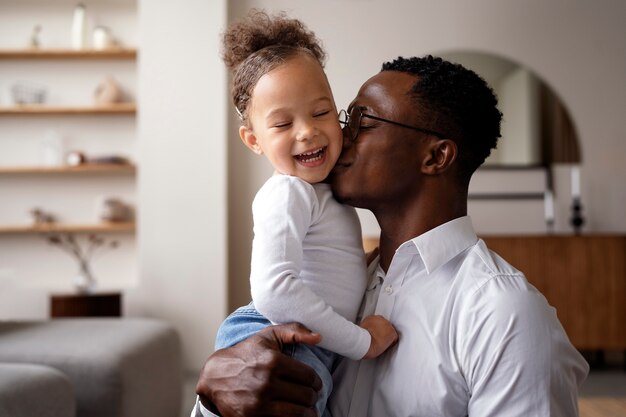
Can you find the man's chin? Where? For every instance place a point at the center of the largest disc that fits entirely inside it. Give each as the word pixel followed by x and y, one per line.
pixel 338 192
pixel 339 184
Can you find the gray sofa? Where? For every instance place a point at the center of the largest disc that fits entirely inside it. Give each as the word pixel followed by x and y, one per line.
pixel 90 368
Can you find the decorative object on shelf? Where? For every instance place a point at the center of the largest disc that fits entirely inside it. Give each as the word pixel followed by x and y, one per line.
pixel 52 149
pixel 26 92
pixel 108 159
pixel 577 220
pixel 102 39
pixel 75 158
pixel 35 43
pixel 41 217
pixel 84 282
pixel 115 210
pixel 79 27
pixel 108 92
pixel 549 210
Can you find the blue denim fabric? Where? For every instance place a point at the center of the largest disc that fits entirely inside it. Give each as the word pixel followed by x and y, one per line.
pixel 246 321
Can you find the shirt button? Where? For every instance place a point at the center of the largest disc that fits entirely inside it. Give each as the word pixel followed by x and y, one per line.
pixel 388 290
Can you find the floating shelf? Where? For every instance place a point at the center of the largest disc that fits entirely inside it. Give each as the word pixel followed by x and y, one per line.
pixel 43 109
pixel 70 228
pixel 67 169
pixel 67 54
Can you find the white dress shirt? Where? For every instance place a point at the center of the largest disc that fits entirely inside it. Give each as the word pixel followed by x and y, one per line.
pixel 476 339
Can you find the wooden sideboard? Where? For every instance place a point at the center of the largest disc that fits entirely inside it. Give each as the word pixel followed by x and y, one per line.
pixel 86 305
pixel 583 277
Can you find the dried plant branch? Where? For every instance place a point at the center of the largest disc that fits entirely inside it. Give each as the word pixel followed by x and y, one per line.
pixel 68 243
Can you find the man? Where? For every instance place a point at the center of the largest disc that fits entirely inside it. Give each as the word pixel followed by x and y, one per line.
pixel 476 339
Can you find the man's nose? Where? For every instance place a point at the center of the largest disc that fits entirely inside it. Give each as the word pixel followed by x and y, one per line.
pixel 346 137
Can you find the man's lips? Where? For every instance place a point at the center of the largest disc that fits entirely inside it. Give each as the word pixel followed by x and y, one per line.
pixel 341 165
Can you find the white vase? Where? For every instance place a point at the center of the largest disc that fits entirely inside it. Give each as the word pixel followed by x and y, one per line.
pixel 79 28
pixel 84 282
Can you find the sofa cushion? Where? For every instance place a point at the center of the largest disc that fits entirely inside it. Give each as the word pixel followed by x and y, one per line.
pixel 119 367
pixel 28 390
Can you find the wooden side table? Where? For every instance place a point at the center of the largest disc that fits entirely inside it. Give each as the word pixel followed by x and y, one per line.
pixel 86 305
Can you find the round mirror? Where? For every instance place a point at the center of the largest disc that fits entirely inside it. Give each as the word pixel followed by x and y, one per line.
pixel 537 129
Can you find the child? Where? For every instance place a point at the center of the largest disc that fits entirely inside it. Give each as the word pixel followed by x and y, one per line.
pixel 308 264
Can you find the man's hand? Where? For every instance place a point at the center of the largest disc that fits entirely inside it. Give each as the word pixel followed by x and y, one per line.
pixel 254 378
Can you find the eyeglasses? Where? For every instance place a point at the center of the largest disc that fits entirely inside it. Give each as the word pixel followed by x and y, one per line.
pixel 352 122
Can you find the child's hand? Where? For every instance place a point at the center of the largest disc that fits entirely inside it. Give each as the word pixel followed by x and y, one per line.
pixel 383 335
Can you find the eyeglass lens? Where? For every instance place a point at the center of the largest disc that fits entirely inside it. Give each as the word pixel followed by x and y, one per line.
pixel 352 121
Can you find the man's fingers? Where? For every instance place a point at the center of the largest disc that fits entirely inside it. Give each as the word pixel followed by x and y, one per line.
pixel 293 393
pixel 286 367
pixel 298 373
pixel 294 333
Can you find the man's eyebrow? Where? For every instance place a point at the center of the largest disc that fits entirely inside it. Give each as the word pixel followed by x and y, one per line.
pixel 364 109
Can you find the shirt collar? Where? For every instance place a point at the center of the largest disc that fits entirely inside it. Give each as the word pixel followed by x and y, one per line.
pixel 444 242
pixel 375 273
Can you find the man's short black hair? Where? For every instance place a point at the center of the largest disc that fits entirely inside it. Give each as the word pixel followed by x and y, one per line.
pixel 456 101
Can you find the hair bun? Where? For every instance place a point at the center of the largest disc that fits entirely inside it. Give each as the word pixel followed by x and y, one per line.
pixel 260 30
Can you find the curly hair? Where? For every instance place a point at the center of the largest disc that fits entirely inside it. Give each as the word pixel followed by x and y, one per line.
pixel 456 101
pixel 257 44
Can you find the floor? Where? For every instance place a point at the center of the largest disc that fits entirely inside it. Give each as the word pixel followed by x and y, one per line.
pixel 603 394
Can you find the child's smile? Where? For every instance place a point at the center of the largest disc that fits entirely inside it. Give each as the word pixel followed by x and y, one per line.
pixel 312 159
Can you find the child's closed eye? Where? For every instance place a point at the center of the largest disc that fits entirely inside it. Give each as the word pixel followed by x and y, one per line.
pixel 281 125
pixel 321 113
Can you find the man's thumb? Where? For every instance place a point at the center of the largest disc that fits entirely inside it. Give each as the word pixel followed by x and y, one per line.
pixel 294 333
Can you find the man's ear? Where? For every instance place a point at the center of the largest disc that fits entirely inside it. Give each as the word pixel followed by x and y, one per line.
pixel 440 154
pixel 249 139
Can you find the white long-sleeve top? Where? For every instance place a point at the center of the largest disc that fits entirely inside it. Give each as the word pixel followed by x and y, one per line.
pixel 308 264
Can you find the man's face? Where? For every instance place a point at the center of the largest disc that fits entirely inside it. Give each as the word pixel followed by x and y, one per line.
pixel 382 166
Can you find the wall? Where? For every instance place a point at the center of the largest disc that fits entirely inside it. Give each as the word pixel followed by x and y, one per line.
pixel 182 181
pixel 577 48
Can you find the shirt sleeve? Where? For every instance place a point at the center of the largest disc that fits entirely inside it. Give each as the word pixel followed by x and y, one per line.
pixel 519 361
pixel 283 212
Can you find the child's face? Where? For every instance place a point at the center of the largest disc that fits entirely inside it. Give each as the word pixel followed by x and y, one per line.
pixel 293 120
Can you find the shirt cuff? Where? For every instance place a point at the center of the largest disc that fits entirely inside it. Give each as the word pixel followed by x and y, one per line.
pixel 200 411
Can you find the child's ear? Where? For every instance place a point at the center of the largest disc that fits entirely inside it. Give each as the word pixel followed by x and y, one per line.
pixel 249 139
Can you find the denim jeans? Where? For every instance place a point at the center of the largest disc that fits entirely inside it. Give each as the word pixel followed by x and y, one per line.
pixel 246 321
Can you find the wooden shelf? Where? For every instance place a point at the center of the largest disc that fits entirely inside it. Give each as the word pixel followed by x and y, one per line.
pixel 67 169
pixel 42 109
pixel 67 54
pixel 72 228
